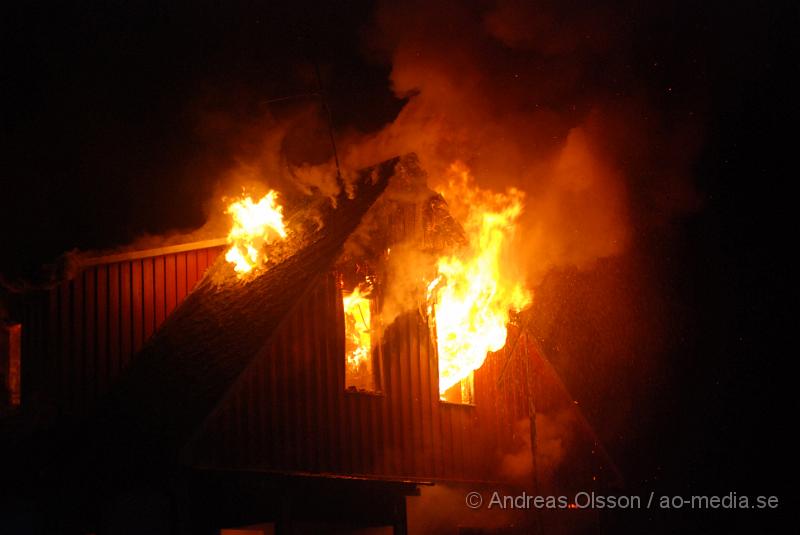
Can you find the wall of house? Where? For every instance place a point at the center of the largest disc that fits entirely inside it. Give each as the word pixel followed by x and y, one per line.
pixel 80 334
pixel 290 411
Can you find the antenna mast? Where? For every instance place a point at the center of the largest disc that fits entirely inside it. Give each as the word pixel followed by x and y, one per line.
pixel 327 109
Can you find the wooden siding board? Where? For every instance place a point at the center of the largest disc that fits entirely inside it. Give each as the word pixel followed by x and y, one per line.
pixel 137 306
pixel 393 396
pixel 386 464
pixel 337 360
pixel 297 397
pixel 426 407
pixel 102 316
pixel 272 399
pixel 309 371
pixel 159 291
pixel 170 283
pixel 202 263
pixel 367 465
pixel 54 344
pixel 126 318
pixel 148 298
pixel 77 343
pixel 180 277
pixel 89 368
pixel 320 375
pixel 329 370
pixel 406 409
pixel 415 395
pixel 282 437
pixel 114 320
pixel 191 270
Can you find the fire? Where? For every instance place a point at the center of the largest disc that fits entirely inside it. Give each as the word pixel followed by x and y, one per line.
pixel 358 336
pixel 255 224
pixel 472 294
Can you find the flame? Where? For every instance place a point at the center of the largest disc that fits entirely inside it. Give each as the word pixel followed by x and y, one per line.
pixel 472 295
pixel 358 324
pixel 359 339
pixel 255 225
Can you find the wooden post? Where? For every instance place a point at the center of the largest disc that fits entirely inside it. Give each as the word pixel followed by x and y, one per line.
pixel 531 390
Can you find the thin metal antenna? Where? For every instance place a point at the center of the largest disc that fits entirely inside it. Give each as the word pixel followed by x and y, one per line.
pixel 323 96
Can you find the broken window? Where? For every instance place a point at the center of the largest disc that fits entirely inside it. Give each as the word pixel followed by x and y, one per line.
pixel 361 339
pixel 456 375
pixel 462 392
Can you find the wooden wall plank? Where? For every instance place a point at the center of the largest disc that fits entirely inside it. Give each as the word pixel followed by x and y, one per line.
pixel 137 306
pixel 114 320
pixel 148 298
pixel 181 288
pixel 159 291
pixel 54 344
pixel 88 382
pixel 292 411
pixel 77 344
pixel 202 263
pixel 310 371
pixel 272 407
pixel 191 270
pixel 297 396
pixel 329 370
pixel 127 306
pixel 101 322
pixel 404 397
pixel 337 361
pixel 426 406
pixel 414 394
pixel 321 420
pixel 170 283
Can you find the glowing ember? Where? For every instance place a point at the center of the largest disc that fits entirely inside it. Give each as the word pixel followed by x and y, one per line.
pixel 255 224
pixel 473 294
pixel 357 321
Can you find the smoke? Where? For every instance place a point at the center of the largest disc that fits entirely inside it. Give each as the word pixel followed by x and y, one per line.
pixel 441 509
pixel 537 97
pixel 555 434
pixel 402 292
pixel 278 146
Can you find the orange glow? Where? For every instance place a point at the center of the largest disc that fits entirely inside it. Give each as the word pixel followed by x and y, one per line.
pixel 358 337
pixel 255 225
pixel 473 294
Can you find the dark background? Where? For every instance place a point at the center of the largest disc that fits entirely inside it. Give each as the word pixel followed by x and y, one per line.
pixel 101 144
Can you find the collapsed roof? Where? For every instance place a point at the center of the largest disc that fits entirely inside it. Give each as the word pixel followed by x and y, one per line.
pixel 194 358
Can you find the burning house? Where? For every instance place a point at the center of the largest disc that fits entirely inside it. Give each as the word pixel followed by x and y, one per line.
pixel 316 372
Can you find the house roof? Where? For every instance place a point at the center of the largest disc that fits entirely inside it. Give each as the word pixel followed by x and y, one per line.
pixel 197 354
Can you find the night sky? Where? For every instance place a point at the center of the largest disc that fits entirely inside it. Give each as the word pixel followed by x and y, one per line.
pixel 119 118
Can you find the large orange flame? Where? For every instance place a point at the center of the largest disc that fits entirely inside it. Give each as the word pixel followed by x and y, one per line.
pixel 473 294
pixel 358 336
pixel 255 224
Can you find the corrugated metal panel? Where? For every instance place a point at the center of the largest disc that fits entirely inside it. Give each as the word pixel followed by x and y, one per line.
pixel 79 335
pixel 290 411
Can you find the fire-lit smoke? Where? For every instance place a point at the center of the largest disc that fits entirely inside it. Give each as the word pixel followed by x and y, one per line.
pixel 255 225
pixel 473 293
pixel 528 95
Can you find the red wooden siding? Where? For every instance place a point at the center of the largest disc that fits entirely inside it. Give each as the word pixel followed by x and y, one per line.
pixel 79 335
pixel 290 411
